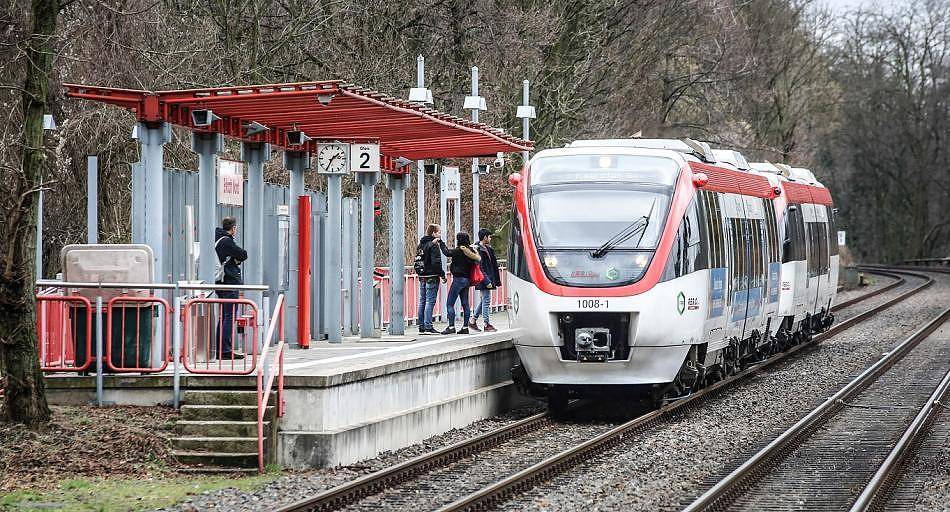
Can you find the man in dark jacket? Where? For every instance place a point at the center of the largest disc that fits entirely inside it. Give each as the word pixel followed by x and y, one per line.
pixel 230 255
pixel 433 271
pixel 489 264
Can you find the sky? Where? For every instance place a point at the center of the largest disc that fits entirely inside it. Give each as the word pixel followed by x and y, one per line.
pixel 843 6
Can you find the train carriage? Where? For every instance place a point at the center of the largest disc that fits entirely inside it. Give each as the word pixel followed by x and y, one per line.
pixel 657 266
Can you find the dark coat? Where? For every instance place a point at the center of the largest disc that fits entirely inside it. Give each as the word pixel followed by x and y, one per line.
pixel 463 258
pixel 489 266
pixel 231 254
pixel 432 257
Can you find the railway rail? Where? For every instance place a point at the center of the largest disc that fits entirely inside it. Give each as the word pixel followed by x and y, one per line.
pixel 385 480
pixel 818 462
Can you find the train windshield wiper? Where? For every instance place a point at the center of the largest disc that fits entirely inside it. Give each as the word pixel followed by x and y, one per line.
pixel 638 226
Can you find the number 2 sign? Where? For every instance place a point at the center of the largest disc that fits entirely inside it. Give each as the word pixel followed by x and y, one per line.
pixel 364 157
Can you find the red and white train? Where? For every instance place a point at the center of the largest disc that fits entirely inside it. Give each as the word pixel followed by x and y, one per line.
pixel 659 266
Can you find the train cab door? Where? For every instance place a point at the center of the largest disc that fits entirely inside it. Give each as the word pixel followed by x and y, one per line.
pixel 812 257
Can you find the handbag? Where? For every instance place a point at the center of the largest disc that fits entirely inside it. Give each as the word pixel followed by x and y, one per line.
pixel 476 276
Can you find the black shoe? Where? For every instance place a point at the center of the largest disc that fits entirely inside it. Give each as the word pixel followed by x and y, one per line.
pixel 463 330
pixel 423 331
pixel 449 330
pixel 237 356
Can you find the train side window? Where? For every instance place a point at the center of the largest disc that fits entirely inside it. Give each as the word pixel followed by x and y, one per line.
pixel 706 249
pixel 718 233
pixel 693 240
pixel 517 261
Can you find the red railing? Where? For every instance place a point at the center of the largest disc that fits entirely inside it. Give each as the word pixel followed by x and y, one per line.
pixel 131 355
pixel 265 383
pixel 197 325
pixel 410 296
pixel 59 319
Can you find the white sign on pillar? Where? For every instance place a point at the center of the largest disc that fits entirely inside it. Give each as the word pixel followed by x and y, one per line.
pixel 364 157
pixel 230 182
pixel 453 183
pixel 842 238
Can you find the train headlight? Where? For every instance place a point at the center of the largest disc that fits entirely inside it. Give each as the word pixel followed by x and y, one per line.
pixel 550 261
pixel 640 260
pixel 605 162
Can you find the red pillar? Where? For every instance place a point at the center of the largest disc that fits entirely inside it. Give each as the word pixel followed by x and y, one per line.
pixel 303 284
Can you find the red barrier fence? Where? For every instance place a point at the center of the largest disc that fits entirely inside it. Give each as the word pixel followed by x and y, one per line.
pixel 132 320
pixel 206 332
pixel 63 328
pixel 410 296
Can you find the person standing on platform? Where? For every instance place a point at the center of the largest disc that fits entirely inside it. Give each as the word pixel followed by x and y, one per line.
pixel 428 266
pixel 463 259
pixel 230 256
pixel 492 280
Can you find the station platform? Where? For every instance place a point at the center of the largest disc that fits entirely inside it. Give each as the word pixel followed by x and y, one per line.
pixel 348 401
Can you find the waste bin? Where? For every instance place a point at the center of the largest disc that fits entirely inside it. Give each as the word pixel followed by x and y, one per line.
pixel 136 336
pixel 132 328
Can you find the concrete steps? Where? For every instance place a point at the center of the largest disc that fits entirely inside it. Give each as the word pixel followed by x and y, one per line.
pixel 217 431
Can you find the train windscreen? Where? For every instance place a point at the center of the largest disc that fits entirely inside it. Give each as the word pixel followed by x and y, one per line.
pixel 598 234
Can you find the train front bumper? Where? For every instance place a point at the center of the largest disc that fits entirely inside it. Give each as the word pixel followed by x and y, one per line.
pixel 646 365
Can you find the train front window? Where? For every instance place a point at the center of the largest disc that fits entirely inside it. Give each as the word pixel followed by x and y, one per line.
pixel 572 224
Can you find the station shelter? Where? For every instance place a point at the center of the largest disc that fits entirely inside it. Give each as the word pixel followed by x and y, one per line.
pixel 327 127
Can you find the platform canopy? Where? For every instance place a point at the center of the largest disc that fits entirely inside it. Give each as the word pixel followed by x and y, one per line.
pixel 325 111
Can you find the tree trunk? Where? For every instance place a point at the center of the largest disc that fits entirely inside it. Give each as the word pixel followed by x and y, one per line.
pixel 25 390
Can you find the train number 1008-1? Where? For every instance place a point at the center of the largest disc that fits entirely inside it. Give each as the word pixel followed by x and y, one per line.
pixel 593 303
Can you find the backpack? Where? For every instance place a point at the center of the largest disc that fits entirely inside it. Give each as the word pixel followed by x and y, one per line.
pixel 218 265
pixel 419 262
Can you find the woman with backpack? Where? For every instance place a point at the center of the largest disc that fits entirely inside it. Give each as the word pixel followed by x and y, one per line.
pixel 463 259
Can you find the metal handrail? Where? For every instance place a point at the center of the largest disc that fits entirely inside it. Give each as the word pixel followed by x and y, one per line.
pixel 153 286
pixel 264 388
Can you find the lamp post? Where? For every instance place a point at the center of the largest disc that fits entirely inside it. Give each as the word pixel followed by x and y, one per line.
pixel 419 94
pixel 475 103
pixel 49 125
pixel 526 112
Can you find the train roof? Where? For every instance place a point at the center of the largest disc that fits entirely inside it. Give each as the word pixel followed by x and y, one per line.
pixel 732 157
pixel 699 151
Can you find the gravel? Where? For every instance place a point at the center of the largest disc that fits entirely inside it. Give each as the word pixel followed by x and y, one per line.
pixel 667 466
pixel 298 485
pixel 876 282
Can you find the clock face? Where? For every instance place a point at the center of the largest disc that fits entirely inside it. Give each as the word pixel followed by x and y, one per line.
pixel 333 159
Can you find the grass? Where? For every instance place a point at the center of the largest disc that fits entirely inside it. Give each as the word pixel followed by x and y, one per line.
pixel 123 495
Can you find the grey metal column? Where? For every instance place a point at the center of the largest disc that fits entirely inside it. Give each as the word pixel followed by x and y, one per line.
pixel 255 154
pixel 397 252
pixel 353 283
pixel 348 257
pixel 153 139
pixel 296 162
pixel 367 180
pixel 92 199
pixel 334 251
pixel 207 145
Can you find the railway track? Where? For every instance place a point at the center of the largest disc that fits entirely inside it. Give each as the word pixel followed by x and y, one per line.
pixel 489 450
pixel 819 462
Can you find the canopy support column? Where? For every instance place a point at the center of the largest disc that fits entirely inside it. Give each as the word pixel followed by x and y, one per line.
pixel 397 184
pixel 207 145
pixel 334 254
pixel 367 181
pixel 255 154
pixel 296 162
pixel 153 138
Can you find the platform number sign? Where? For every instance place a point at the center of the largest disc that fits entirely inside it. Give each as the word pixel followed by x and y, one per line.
pixel 364 157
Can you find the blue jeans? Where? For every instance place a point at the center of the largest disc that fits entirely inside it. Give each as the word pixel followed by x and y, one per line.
pixel 226 325
pixel 484 306
pixel 428 292
pixel 458 291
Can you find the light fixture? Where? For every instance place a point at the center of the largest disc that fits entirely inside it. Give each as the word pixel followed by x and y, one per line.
pixel 420 95
pixel 203 117
pixel 475 103
pixel 49 124
pixel 430 169
pixel 700 180
pixel 325 98
pixel 550 261
pixel 401 162
pixel 296 138
pixel 526 112
pixel 253 128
